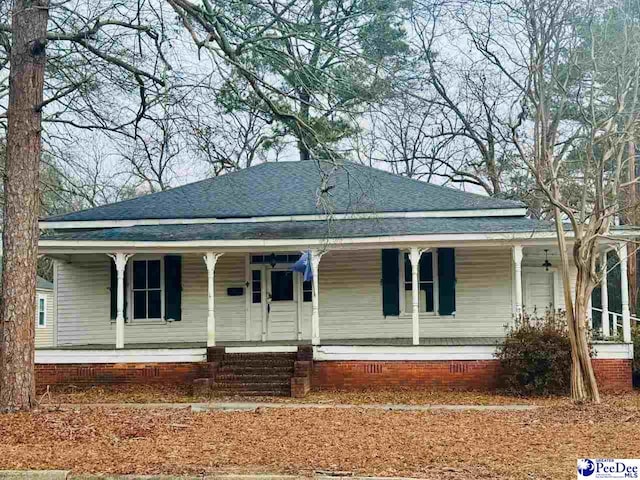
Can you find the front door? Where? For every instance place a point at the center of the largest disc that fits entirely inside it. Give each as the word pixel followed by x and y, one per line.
pixel 538 292
pixel 282 305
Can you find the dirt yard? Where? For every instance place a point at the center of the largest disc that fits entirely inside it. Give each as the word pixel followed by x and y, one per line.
pixel 543 443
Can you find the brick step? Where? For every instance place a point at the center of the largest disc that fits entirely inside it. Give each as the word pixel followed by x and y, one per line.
pixel 247 378
pixel 252 393
pixel 270 362
pixel 260 385
pixel 256 369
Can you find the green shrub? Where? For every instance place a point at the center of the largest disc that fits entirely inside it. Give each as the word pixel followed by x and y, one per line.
pixel 535 357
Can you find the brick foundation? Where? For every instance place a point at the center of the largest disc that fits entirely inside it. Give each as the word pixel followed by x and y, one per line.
pixel 481 375
pixel 614 375
pixel 118 373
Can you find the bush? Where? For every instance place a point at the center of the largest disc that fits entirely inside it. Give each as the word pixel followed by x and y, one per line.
pixel 535 357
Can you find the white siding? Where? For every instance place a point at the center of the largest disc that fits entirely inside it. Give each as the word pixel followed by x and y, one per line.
pixel 45 336
pixel 350 300
pixel 84 304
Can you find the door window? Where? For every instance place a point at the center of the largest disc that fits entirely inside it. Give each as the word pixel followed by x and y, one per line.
pixel 281 286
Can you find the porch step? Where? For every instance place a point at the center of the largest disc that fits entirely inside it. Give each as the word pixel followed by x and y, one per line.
pixel 252 393
pixel 252 370
pixel 254 374
pixel 284 379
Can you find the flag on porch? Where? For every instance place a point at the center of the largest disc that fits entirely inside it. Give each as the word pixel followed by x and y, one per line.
pixel 303 265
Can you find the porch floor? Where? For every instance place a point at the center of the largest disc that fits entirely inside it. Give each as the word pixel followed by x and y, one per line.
pixel 426 341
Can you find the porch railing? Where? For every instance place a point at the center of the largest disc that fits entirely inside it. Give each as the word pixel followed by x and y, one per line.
pixel 616 320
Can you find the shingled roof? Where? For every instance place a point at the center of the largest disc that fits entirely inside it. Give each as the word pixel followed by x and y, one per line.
pixel 291 188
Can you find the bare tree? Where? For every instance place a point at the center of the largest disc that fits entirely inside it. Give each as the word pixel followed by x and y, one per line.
pixel 578 73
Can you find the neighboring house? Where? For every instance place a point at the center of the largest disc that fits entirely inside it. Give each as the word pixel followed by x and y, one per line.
pixel 413 284
pixel 45 319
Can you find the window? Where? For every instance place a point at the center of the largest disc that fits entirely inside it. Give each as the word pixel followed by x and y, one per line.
pixel 307 291
pixel 426 283
pixel 281 286
pixel 41 312
pixel 256 287
pixel 146 289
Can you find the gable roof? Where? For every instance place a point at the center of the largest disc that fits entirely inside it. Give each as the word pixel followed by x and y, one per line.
pixel 291 188
pixel 43 284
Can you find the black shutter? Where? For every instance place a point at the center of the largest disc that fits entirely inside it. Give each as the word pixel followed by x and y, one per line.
pixel 114 290
pixel 173 287
pixel 447 280
pixel 390 282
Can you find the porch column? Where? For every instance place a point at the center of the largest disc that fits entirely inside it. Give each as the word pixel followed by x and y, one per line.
pixel 210 260
pixel 624 293
pixel 316 255
pixel 414 257
pixel 517 262
pixel 120 259
pixel 604 294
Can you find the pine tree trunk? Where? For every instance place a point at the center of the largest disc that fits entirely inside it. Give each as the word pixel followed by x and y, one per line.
pixel 22 204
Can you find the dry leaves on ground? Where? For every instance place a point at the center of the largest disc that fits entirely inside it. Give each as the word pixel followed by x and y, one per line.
pixel 544 443
pixel 183 394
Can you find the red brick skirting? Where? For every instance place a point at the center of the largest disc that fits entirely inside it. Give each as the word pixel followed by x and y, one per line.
pixel 613 375
pixel 118 373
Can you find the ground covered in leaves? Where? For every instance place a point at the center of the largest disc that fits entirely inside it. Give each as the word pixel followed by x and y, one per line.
pixel 183 394
pixel 543 443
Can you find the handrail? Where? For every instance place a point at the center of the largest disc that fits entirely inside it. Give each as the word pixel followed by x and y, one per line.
pixel 616 314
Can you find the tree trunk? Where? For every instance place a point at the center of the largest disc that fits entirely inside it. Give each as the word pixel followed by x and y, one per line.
pixel 584 387
pixel 632 215
pixel 22 204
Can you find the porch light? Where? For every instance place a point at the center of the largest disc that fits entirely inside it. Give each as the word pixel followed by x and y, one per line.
pixel 546 263
pixel 272 260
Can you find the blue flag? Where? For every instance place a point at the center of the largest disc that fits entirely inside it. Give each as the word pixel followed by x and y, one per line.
pixel 303 265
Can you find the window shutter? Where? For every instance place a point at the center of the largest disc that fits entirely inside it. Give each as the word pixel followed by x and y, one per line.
pixel 173 287
pixel 390 282
pixel 114 290
pixel 447 280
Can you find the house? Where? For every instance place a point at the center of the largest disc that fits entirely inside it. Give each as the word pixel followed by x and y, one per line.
pixel 45 318
pixel 413 284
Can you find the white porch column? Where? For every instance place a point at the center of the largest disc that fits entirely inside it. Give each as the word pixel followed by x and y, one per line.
pixel 316 255
pixel 624 293
pixel 210 260
pixel 604 294
pixel 414 257
pixel 120 259
pixel 517 262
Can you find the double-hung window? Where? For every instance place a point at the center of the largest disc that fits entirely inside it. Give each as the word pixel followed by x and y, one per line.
pixel 41 312
pixel 147 289
pixel 427 284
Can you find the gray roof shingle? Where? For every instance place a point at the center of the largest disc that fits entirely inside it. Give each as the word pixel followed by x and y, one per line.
pixel 306 230
pixel 290 188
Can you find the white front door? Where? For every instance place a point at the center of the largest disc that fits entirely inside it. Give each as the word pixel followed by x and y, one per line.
pixel 538 292
pixel 282 304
